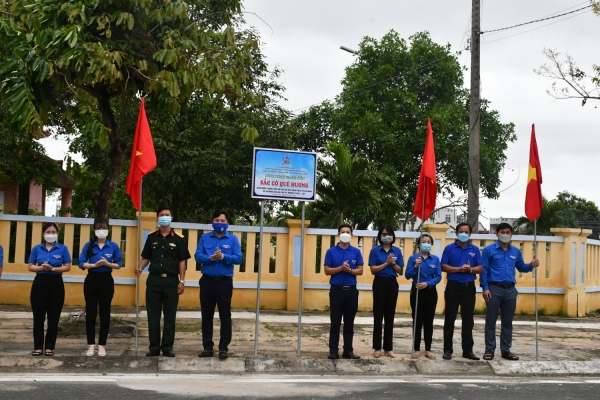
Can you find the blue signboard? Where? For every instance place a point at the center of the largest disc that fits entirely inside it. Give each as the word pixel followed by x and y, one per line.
pixel 284 175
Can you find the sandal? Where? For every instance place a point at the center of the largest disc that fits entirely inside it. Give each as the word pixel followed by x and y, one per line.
pixel 390 354
pixel 49 353
pixel 36 353
pixel 101 351
pixel 416 355
pixel 509 356
pixel 429 355
pixel 488 356
pixel 377 353
pixel 90 351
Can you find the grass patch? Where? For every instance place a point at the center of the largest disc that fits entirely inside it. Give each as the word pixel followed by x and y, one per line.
pixel 479 311
pixel 581 359
pixel 188 327
pixel 281 329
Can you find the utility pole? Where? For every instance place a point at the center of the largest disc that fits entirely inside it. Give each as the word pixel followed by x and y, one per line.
pixel 474 121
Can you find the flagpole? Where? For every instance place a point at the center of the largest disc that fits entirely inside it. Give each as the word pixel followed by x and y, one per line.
pixel 418 271
pixel 537 354
pixel 137 281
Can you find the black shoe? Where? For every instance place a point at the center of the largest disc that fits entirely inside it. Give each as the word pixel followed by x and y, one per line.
pixel 168 353
pixel 470 356
pixel 153 353
pixel 447 355
pixel 206 353
pixel 223 355
pixel 350 356
pixel 333 356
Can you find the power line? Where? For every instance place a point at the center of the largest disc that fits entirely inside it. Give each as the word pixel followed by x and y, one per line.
pixel 537 20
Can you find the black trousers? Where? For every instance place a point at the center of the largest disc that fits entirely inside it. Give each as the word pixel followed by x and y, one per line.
pixel 428 298
pixel 161 296
pixel 98 290
pixel 47 298
pixel 342 304
pixel 385 296
pixel 216 292
pixel 463 296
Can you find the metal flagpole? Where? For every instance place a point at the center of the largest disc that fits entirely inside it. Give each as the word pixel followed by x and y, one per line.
pixel 418 272
pixel 137 281
pixel 537 354
pixel 260 251
pixel 301 284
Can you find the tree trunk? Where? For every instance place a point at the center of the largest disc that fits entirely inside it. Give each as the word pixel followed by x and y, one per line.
pixel 101 197
pixel 23 204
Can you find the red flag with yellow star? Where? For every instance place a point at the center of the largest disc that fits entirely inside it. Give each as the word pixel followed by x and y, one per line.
pixel 533 197
pixel 143 158
pixel 427 189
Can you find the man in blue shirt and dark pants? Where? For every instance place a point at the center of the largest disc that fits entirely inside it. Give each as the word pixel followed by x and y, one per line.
pixel 343 262
pixel 461 261
pixel 498 283
pixel 218 251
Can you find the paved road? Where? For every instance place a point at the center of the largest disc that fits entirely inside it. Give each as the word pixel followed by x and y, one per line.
pixel 151 387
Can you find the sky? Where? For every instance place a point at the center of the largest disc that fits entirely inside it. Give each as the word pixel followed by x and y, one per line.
pixel 303 38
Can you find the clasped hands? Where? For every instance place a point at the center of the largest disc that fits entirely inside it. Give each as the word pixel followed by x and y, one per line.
pixel 217 255
pixel 346 267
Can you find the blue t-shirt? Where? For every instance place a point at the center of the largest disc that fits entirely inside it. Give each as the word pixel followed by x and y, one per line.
pixel 110 251
pixel 336 256
pixel 499 265
pixel 1 257
pixel 456 256
pixel 230 248
pixel 431 270
pixel 379 256
pixel 57 256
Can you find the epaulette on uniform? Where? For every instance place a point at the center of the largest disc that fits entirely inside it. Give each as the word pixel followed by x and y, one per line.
pixel 154 231
pixel 178 234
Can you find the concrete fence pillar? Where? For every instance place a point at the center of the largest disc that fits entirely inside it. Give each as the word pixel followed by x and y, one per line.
pixel 572 265
pixel 293 265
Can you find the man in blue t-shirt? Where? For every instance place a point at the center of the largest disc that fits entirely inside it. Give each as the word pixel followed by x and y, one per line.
pixel 1 260
pixel 343 262
pixel 461 261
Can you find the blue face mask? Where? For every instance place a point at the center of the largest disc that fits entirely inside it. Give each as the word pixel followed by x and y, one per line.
pixel 165 220
pixel 425 247
pixel 220 227
pixel 463 237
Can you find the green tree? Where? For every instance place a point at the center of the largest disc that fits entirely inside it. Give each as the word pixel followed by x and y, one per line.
pixel 204 150
pixel 388 93
pixel 554 215
pixel 75 63
pixel 584 212
pixel 351 189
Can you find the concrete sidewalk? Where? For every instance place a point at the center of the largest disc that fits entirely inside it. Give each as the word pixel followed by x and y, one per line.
pixel 567 346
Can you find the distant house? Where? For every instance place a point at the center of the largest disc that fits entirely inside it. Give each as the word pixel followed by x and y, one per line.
pixel 444 216
pixel 18 197
pixel 494 222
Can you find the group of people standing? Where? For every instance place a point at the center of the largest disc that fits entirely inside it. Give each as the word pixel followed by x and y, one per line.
pixel 166 253
pixel 461 261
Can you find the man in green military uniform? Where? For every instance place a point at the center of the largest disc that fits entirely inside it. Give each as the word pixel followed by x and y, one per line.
pixel 167 253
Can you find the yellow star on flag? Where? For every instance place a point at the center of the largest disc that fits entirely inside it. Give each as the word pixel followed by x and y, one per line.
pixel 138 153
pixel 532 174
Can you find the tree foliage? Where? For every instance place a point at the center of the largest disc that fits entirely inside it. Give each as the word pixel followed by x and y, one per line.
pixel 381 114
pixel 566 211
pixel 73 63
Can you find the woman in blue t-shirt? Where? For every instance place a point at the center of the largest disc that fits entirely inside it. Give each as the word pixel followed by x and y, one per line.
pixel 99 256
pixel 386 263
pixel 48 260
pixel 430 275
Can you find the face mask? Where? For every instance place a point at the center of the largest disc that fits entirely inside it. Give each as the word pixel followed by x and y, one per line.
pixel 504 238
pixel 345 237
pixel 387 239
pixel 101 233
pixel 164 220
pixel 463 237
pixel 50 238
pixel 220 227
pixel 425 247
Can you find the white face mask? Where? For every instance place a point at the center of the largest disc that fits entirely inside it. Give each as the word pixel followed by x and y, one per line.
pixel 345 237
pixel 50 237
pixel 504 238
pixel 101 233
